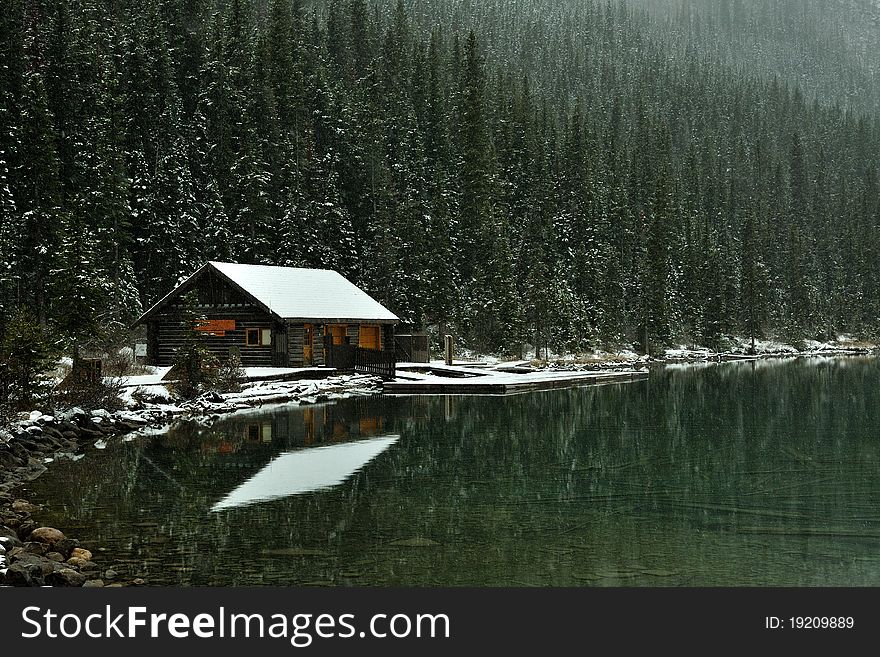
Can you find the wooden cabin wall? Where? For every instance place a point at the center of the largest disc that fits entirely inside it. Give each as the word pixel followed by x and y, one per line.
pixel 318 348
pixel 217 300
pixel 295 344
pixel 295 333
pixel 171 335
pixel 280 348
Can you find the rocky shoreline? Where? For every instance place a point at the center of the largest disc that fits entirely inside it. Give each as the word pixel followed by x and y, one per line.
pixel 33 555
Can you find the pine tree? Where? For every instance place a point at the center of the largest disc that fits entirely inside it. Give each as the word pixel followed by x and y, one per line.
pixel 36 188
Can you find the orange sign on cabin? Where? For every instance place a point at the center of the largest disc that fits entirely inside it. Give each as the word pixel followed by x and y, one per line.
pixel 216 327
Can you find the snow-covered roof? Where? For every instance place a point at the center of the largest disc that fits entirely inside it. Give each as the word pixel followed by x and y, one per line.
pixel 296 293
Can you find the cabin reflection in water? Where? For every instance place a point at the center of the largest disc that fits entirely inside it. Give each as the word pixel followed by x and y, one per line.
pixel 312 426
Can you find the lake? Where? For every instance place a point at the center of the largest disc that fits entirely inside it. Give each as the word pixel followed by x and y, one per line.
pixel 733 474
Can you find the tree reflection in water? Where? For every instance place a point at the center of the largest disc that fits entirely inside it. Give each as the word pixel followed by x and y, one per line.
pixel 731 474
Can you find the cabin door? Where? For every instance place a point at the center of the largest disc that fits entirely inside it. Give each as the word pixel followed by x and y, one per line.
pixel 308 341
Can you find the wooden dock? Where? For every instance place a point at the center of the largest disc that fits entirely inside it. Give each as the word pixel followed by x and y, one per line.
pixel 505 383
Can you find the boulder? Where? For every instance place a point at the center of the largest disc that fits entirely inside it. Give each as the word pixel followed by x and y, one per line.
pixel 55 556
pixel 73 414
pixel 110 574
pixel 81 553
pixel 66 425
pixel 93 584
pixel 24 574
pixel 47 535
pixel 65 577
pixel 28 570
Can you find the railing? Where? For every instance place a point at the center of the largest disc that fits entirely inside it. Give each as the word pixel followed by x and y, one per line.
pixel 367 361
pixel 412 347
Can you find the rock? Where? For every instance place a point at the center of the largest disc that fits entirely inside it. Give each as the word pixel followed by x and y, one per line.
pixel 66 577
pixel 25 557
pixel 23 506
pixel 67 546
pixel 2 551
pixel 55 556
pixel 35 415
pixel 18 451
pixel 33 470
pixel 9 538
pixel 28 570
pixel 34 430
pixel 73 413
pixel 24 574
pixel 126 426
pixel 53 432
pixel 81 553
pixel 48 535
pixel 34 547
pixel 93 584
pixel 82 564
pixel 137 581
pixel 110 574
pixel 70 435
pixel 25 528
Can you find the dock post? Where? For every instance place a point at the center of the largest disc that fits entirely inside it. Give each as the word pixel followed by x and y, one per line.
pixel 449 350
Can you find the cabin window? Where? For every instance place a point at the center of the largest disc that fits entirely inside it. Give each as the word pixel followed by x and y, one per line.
pixel 258 432
pixel 369 338
pixel 255 337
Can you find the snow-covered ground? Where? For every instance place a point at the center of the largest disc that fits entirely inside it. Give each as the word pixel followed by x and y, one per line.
pixel 150 408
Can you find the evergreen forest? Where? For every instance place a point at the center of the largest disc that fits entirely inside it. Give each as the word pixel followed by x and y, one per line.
pixel 572 174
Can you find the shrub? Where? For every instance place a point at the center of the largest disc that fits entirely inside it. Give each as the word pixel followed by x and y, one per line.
pixel 194 367
pixel 27 354
pixel 230 374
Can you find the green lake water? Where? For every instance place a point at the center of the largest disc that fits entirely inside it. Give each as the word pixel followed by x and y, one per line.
pixel 736 474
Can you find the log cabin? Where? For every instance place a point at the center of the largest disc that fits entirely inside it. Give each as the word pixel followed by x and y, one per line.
pixel 270 316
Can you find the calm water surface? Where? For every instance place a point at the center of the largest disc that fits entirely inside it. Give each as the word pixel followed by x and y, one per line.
pixel 733 474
